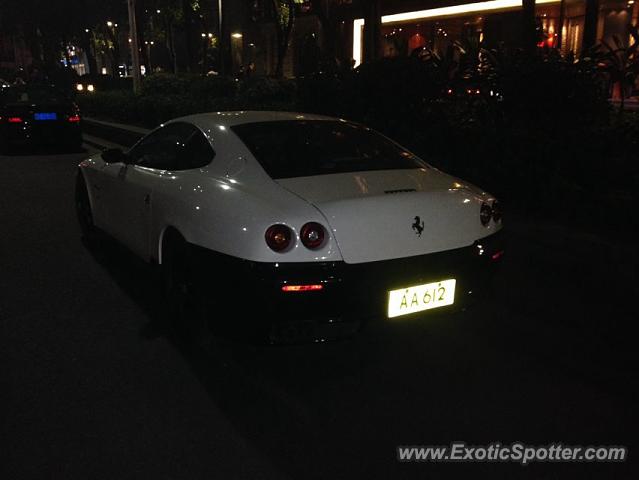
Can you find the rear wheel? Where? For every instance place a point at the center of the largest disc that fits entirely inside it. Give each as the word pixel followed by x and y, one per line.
pixel 187 312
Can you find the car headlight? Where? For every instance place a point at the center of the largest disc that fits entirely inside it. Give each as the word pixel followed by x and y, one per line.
pixel 90 88
pixel 79 87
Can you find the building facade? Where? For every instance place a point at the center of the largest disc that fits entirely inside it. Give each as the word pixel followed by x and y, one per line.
pixel 561 24
pixel 404 25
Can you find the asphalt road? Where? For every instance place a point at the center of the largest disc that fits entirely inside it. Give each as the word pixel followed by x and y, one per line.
pixel 92 388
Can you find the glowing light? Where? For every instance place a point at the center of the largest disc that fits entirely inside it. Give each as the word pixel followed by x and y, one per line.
pixel 79 87
pixel 74 118
pixel 302 288
pixel 14 120
pixel 236 35
pixel 458 10
pixel 358 26
pixel 421 297
pixel 488 6
pixel 90 88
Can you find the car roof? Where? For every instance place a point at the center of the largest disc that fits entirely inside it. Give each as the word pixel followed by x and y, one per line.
pixel 232 118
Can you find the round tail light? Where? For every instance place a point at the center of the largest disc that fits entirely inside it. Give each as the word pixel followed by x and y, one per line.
pixel 312 235
pixel 485 214
pixel 278 237
pixel 497 214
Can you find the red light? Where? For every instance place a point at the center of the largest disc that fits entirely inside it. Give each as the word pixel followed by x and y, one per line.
pixel 74 118
pixel 497 255
pixel 14 120
pixel 278 237
pixel 302 288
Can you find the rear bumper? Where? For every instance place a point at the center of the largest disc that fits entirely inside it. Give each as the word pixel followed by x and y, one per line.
pixel 350 294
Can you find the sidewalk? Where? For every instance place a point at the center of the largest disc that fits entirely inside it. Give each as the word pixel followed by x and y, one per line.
pixel 103 135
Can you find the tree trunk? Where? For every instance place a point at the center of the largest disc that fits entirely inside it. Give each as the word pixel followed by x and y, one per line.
pixel 283 35
pixel 562 19
pixel 188 34
pixel 590 24
pixel 329 31
pixel 170 45
pixel 529 27
pixel 373 30
pixel 87 46
pixel 140 21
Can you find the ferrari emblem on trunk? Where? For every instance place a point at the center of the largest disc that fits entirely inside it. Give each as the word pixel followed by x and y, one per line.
pixel 418 226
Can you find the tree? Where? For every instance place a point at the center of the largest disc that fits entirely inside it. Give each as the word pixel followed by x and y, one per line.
pixel 529 26
pixel 621 62
pixel 284 20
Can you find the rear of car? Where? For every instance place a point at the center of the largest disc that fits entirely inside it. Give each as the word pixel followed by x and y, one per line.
pixel 411 238
pixel 38 115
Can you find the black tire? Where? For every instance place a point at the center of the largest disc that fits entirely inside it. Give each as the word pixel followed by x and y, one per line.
pixel 187 311
pixel 84 212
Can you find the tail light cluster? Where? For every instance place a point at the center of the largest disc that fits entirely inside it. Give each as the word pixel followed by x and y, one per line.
pixel 486 212
pixel 279 237
pixel 12 119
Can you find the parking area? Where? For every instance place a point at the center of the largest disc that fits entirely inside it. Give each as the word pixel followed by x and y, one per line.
pixel 97 389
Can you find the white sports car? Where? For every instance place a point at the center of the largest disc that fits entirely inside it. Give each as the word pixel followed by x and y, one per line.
pixel 305 217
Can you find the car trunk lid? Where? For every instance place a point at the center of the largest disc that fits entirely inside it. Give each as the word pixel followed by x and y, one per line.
pixel 381 215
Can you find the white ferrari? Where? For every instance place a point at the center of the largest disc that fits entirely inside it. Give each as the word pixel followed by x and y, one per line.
pixel 302 218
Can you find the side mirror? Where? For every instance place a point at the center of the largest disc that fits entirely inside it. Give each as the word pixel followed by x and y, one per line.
pixel 115 155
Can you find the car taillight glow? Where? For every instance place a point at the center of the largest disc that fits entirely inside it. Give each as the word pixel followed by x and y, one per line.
pixel 14 120
pixel 485 214
pixel 497 255
pixel 497 214
pixel 312 235
pixel 302 288
pixel 278 237
pixel 74 118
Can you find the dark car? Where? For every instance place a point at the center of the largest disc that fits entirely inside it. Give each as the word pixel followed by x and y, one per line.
pixel 38 115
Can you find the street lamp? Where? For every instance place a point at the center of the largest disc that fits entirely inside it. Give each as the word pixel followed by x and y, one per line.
pixel 109 23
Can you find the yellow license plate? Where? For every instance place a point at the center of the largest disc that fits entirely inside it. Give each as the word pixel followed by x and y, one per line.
pixel 421 297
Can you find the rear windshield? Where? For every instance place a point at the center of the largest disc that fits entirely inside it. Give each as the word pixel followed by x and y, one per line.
pixel 301 148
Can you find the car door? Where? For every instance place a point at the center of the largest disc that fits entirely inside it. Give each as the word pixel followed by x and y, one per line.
pixel 130 187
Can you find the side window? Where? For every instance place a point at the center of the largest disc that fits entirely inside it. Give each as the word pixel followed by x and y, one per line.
pixel 163 148
pixel 197 152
